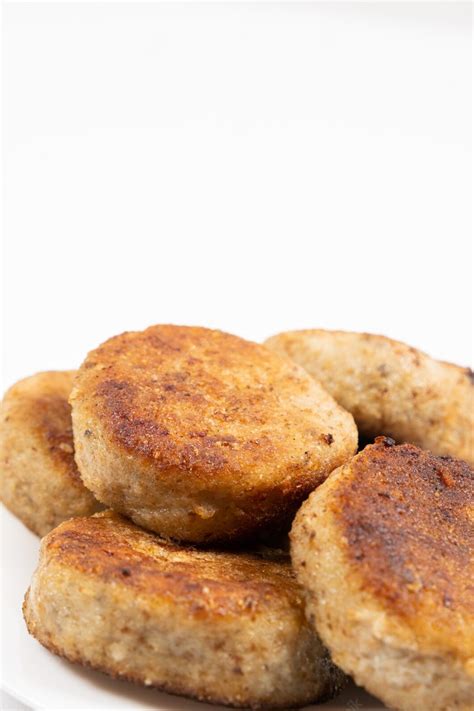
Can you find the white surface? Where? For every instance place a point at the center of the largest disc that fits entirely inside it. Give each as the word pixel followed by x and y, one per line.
pixel 255 168
pixel 250 167
pixel 44 681
pixel 9 703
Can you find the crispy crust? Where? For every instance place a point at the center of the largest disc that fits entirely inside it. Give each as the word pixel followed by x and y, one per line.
pixel 384 551
pixel 389 387
pixel 218 626
pixel 120 553
pixel 40 482
pixel 200 435
pixel 407 519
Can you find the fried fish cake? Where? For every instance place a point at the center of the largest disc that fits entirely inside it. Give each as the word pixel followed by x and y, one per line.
pixel 202 436
pixel 40 482
pixel 389 387
pixel 384 550
pixel 223 627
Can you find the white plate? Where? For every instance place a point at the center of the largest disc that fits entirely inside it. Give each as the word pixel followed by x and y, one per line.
pixel 42 681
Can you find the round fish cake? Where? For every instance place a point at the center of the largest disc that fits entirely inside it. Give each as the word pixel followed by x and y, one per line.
pixel 389 387
pixel 39 479
pixel 217 626
pixel 202 436
pixel 384 550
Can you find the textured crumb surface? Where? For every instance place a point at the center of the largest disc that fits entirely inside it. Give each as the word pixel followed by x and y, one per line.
pixel 389 387
pixel 202 436
pixel 219 626
pixel 384 551
pixel 39 479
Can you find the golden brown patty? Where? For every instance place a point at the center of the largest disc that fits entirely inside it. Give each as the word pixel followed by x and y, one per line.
pixel 384 549
pixel 389 387
pixel 218 626
pixel 39 479
pixel 200 435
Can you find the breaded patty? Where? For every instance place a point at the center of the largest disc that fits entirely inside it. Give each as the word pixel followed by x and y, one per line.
pixel 218 626
pixel 202 436
pixel 389 387
pixel 384 550
pixel 39 479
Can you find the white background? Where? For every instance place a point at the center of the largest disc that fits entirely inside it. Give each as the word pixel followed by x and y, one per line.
pixel 250 167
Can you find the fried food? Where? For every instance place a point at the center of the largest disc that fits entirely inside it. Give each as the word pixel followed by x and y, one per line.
pixel 218 626
pixel 202 436
pixel 40 482
pixel 389 387
pixel 384 550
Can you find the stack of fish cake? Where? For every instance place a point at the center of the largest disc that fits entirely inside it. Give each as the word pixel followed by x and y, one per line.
pixel 201 445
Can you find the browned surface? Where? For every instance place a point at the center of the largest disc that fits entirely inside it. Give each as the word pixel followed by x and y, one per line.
pixel 195 398
pixel 384 551
pixel 408 518
pixel 51 418
pixel 202 436
pixel 39 479
pixel 40 405
pixel 116 551
pixel 216 625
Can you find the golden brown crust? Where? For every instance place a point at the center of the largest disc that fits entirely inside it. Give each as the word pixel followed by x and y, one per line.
pixel 220 626
pixel 192 397
pixel 389 387
pixel 383 550
pixel 407 518
pixel 40 481
pixel 233 435
pixel 109 547
pixel 40 404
